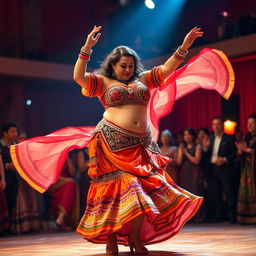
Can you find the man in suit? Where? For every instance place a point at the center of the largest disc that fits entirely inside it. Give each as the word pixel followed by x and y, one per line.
pixel 220 151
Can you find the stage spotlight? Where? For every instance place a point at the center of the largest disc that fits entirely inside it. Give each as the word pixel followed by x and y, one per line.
pixel 28 102
pixel 150 4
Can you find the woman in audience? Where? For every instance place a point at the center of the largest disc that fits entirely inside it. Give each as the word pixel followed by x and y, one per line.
pixel 26 217
pixel 246 209
pixel 189 157
pixel 171 151
pixel 64 196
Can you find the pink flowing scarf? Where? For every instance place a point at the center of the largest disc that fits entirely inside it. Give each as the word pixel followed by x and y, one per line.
pixel 40 160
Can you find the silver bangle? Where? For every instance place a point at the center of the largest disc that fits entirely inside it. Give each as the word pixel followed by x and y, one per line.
pixel 182 52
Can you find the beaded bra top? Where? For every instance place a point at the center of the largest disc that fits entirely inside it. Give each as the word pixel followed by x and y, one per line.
pixel 118 95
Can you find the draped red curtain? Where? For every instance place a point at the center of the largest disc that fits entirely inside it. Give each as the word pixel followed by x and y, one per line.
pixel 11 16
pixel 194 110
pixel 245 87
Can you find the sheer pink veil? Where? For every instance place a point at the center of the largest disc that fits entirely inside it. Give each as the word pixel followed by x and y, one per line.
pixel 210 70
pixel 40 160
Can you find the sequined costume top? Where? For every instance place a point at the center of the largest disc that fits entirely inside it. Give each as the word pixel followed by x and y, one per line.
pixel 117 95
pixel 122 94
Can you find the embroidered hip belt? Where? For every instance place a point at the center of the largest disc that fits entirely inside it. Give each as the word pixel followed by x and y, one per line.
pixel 118 138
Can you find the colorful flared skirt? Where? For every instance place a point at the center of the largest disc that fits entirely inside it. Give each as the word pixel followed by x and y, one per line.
pixel 129 179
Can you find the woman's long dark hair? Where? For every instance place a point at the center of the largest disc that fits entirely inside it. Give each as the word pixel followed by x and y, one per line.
pixel 106 66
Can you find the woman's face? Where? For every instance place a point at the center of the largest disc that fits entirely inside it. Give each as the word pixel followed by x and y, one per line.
pixel 201 135
pixel 187 137
pixel 251 125
pixel 124 68
pixel 165 139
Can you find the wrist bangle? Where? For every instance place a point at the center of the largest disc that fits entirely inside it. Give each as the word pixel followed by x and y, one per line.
pixel 178 57
pixel 86 51
pixel 181 51
pixel 180 54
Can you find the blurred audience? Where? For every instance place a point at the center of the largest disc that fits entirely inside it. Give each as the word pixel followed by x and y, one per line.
pixel 220 151
pixel 246 208
pixel 4 218
pixel 9 136
pixel 178 138
pixel 189 157
pixel 167 148
pixel 84 183
pixel 64 196
pixel 26 217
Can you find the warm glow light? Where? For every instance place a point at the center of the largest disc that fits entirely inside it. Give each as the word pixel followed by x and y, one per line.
pixel 150 4
pixel 229 127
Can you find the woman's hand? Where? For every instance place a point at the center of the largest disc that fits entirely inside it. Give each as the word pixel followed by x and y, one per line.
pixel 190 38
pixel 92 38
pixel 242 147
pixel 181 147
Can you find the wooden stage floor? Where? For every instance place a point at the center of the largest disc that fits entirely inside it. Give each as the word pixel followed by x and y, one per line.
pixel 193 240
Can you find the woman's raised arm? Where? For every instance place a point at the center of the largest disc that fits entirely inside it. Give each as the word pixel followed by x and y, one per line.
pixel 79 74
pixel 179 55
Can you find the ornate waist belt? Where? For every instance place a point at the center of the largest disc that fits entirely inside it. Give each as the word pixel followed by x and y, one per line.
pixel 118 138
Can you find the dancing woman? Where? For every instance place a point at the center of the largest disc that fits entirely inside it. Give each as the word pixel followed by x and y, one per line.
pixel 132 200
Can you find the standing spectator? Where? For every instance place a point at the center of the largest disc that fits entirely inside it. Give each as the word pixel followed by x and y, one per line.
pixel 221 152
pixel 178 138
pixel 201 134
pixel 82 161
pixel 171 151
pixel 246 209
pixel 189 157
pixel 9 136
pixel 4 221
pixel 26 215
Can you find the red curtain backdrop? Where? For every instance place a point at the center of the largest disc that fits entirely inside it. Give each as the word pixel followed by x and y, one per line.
pixel 194 110
pixel 245 87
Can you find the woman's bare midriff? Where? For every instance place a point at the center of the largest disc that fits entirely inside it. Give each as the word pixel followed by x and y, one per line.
pixel 129 117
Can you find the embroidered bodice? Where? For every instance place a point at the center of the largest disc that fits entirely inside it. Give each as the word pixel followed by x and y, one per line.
pixel 118 95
